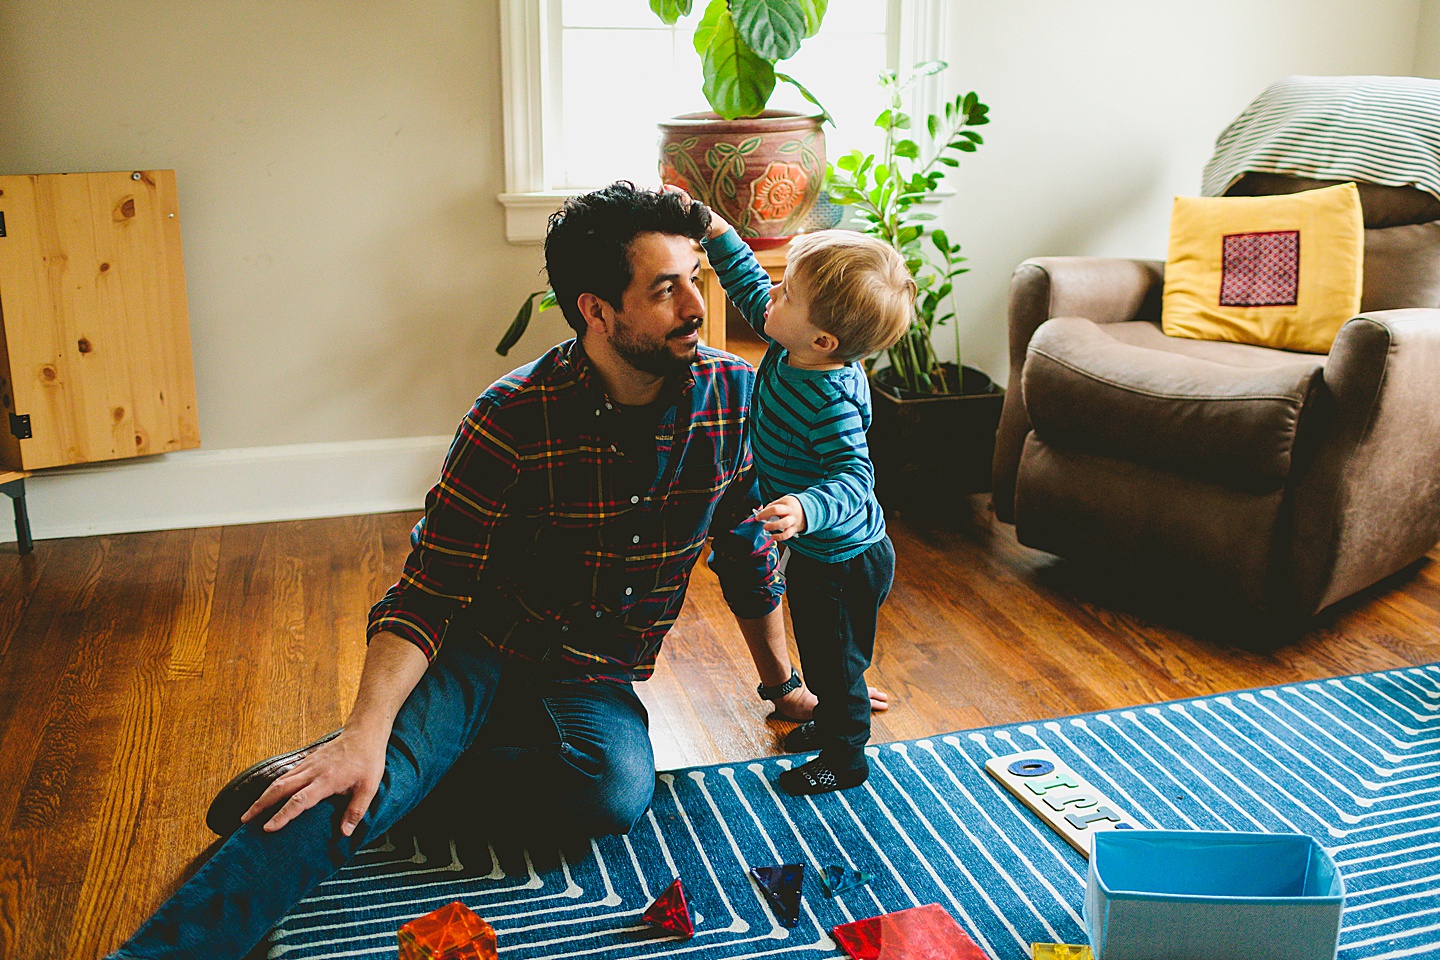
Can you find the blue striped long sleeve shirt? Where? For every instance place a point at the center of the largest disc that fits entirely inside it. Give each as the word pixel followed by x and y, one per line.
pixel 807 427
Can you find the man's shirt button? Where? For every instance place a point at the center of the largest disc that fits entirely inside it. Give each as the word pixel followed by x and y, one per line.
pixel 635 539
pixel 634 499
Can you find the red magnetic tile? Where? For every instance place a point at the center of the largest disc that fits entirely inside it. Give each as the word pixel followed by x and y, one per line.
pixel 920 933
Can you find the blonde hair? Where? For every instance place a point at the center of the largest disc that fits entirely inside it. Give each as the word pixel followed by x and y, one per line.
pixel 859 288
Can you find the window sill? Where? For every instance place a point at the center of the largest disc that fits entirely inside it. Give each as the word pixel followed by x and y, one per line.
pixel 526 214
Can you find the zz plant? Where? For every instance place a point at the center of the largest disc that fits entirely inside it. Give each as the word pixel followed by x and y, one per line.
pixel 887 191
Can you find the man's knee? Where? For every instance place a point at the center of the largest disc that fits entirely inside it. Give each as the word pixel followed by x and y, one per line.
pixel 619 784
pixel 619 808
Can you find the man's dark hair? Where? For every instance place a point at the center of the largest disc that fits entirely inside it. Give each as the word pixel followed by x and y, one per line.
pixel 587 244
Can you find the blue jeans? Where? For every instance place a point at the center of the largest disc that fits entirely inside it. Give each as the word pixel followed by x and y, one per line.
pixel 577 755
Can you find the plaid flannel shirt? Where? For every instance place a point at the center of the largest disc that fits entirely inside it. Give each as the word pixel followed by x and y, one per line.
pixel 545 540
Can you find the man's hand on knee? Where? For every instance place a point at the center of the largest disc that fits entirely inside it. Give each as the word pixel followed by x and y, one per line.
pixel 352 764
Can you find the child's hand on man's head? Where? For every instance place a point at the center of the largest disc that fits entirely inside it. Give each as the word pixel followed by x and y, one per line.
pixel 718 224
pixel 783 518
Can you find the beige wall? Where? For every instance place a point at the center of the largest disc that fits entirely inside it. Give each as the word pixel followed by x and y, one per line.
pixel 1104 110
pixel 339 161
pixel 1427 40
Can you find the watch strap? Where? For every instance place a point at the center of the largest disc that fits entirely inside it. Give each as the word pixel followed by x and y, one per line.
pixel 780 689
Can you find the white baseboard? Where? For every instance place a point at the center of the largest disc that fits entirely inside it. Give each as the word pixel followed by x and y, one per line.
pixel 206 488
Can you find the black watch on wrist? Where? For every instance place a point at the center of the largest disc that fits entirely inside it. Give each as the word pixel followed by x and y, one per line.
pixel 780 689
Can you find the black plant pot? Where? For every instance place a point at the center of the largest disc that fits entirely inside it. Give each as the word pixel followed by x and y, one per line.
pixel 929 449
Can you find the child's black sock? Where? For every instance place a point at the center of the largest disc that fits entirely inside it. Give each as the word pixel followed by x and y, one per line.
pixel 817 777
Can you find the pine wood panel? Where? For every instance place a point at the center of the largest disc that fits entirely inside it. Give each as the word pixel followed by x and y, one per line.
pixel 138 673
pixel 96 326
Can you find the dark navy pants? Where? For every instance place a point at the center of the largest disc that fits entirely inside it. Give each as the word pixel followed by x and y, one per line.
pixel 576 755
pixel 834 608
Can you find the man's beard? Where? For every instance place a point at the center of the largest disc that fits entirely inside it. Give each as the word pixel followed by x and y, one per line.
pixel 650 354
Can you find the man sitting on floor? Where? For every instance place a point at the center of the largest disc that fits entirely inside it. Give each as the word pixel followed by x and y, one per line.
pixel 553 557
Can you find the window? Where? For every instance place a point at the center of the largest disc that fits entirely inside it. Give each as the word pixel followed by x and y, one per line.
pixel 587 81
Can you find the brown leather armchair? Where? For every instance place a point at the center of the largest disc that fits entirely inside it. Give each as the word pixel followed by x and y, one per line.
pixel 1260 481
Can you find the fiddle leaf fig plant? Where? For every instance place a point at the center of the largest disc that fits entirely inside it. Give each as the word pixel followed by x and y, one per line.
pixel 740 41
pixel 887 190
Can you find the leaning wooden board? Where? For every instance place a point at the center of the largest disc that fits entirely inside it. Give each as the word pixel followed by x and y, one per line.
pixel 1061 797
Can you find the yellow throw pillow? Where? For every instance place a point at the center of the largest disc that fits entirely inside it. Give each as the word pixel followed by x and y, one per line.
pixel 1282 271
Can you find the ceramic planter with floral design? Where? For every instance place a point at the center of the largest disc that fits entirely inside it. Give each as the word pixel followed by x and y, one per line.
pixel 762 173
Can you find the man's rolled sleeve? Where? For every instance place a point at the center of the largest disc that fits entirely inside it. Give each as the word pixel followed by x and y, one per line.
pixel 745 558
pixel 451 544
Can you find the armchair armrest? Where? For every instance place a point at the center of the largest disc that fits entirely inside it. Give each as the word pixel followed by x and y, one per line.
pixel 1370 502
pixel 1102 289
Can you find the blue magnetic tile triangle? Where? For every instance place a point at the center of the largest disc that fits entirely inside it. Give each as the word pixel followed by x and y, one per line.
pixel 836 880
pixel 781 886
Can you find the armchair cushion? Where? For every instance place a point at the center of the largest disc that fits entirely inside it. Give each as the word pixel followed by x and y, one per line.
pixel 1234 424
pixel 1277 271
pixel 1402 268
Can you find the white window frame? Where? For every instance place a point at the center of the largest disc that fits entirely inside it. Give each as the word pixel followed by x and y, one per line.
pixel 530 32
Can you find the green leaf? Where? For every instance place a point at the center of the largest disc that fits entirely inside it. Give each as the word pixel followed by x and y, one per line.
pixel 940 238
pixel 772 28
pixel 964 146
pixel 923 216
pixel 972 136
pixel 883 121
pixel 950 161
pixel 850 161
pixel 969 101
pixel 738 82
pixel 825 116
pixel 928 67
pixel 932 123
pixel 908 149
pixel 547 300
pixel 521 322
pixel 705 30
pixel 814 12
pixel 902 121
pixel 670 10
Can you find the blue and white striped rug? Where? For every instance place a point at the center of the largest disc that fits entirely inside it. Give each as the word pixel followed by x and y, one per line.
pixel 1354 762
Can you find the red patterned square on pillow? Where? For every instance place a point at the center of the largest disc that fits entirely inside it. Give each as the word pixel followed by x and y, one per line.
pixel 1260 269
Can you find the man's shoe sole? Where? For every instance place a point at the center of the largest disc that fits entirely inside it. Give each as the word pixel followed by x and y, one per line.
pixel 240 794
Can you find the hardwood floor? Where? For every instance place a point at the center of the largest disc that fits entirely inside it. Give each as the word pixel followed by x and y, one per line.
pixel 139 672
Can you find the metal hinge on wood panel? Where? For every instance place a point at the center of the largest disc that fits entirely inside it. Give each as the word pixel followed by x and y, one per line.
pixel 20 426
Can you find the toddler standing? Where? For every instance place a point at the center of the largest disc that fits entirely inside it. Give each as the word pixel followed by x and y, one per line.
pixel 844 296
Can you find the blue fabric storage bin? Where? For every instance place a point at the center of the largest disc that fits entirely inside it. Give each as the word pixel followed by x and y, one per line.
pixel 1202 895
